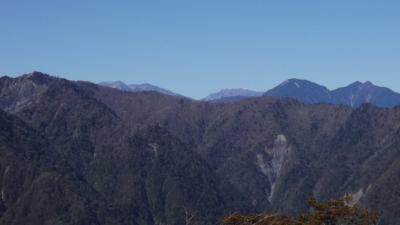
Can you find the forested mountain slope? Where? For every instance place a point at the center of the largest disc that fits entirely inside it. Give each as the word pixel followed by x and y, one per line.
pixel 87 154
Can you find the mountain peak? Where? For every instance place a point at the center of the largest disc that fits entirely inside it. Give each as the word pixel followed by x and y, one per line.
pixel 359 83
pixel 295 82
pixel 36 74
pixel 303 90
pixel 298 80
pixel 369 83
pixel 136 87
pixel 229 94
pixel 116 84
pixel 37 77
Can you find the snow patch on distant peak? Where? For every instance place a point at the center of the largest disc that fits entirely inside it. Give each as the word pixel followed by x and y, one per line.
pixel 297 84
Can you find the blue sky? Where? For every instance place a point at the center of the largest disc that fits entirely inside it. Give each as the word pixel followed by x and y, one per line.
pixel 197 47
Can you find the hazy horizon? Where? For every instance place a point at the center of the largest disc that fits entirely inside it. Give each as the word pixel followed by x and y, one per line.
pixel 197 48
pixel 207 94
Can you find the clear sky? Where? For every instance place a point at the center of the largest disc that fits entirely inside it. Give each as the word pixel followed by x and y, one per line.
pixel 195 47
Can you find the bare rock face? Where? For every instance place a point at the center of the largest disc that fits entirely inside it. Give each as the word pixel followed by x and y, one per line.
pixel 19 93
pixel 277 156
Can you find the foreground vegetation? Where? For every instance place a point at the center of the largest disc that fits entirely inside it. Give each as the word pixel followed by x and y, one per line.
pixel 333 212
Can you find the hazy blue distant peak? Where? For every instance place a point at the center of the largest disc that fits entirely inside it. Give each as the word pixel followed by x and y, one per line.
pixel 358 93
pixel 149 87
pixel 136 87
pixel 142 87
pixel 359 87
pixel 353 95
pixel 362 84
pixel 116 84
pixel 230 93
pixel 302 90
pixel 300 83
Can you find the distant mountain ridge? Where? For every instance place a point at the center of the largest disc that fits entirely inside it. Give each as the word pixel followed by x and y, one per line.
pixel 352 95
pixel 308 92
pixel 358 93
pixel 232 94
pixel 137 87
pixel 304 91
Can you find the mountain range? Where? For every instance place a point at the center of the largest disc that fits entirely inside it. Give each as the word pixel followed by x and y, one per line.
pixel 305 91
pixel 136 87
pixel 352 95
pixel 73 152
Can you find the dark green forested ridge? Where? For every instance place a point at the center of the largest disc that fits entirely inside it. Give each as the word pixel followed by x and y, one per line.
pixel 84 154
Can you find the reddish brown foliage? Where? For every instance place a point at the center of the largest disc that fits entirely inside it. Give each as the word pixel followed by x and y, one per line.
pixel 333 212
